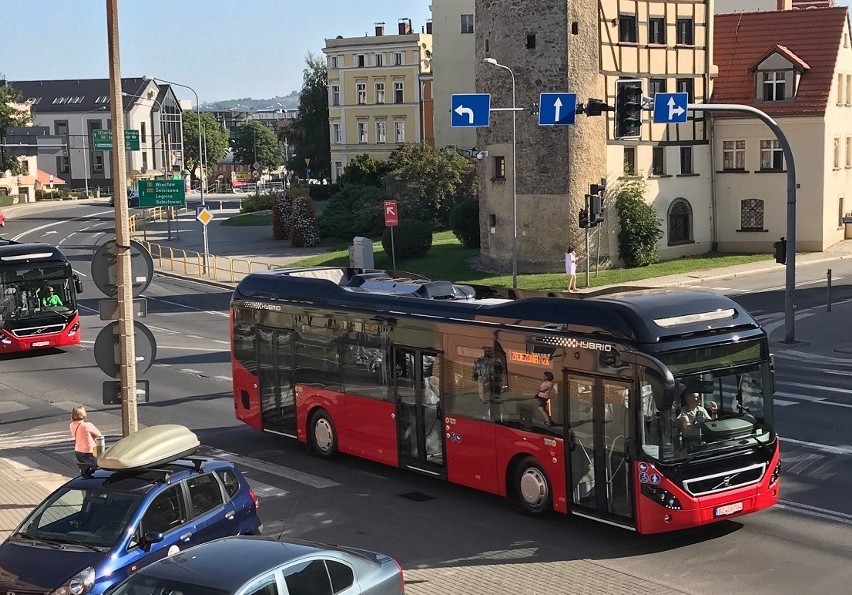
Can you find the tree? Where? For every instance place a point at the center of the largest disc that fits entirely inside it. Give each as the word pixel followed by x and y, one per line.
pixel 429 182
pixel 639 227
pixel 364 170
pixel 10 116
pixel 310 128
pixel 215 140
pixel 256 143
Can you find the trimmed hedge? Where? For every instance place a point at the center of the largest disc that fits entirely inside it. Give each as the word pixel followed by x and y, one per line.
pixel 411 239
pixel 464 222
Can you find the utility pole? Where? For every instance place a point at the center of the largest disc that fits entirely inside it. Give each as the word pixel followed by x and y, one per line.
pixel 124 281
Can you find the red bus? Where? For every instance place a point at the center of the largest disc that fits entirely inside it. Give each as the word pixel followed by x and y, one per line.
pixel 38 298
pixel 444 379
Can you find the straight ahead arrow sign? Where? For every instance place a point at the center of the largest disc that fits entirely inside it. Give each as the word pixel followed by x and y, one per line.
pixel 557 105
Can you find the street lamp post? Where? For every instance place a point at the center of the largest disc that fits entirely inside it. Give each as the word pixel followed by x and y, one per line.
pixel 494 62
pixel 200 164
pixel 86 148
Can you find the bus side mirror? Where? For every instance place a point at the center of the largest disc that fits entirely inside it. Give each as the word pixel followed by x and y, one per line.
pixel 663 384
pixel 771 374
pixel 78 285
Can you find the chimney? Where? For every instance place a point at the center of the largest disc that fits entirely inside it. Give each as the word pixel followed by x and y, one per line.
pixel 405 26
pixel 380 29
pixel 429 27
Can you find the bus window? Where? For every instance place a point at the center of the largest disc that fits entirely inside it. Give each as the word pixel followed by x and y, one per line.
pixel 362 365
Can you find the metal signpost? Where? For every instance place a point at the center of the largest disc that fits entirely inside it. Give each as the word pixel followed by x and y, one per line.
pixel 392 220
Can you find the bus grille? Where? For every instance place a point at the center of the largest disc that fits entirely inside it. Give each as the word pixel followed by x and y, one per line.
pixel 728 480
pixel 34 331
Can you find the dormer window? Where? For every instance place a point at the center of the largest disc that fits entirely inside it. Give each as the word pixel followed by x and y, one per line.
pixel 774 85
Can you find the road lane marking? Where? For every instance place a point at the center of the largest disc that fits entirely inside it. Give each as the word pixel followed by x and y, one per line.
pixel 815 511
pixel 835 450
pixel 307 479
pixel 815 400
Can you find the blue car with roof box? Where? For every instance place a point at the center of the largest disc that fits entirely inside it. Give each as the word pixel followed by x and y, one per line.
pixel 150 501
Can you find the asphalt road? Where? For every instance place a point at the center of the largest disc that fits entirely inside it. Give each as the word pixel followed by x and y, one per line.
pixel 437 531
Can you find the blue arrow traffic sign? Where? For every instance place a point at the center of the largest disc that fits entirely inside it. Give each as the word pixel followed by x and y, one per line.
pixel 557 109
pixel 470 110
pixel 670 108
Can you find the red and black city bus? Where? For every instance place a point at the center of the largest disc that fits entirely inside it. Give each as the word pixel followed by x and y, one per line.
pixel 442 379
pixel 38 298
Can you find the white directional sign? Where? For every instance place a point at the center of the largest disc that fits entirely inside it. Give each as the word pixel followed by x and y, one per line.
pixel 557 109
pixel 470 110
pixel 670 108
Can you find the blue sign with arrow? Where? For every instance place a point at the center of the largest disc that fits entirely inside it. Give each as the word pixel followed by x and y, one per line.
pixel 470 110
pixel 557 109
pixel 670 108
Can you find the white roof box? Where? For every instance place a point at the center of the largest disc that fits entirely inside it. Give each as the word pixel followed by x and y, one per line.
pixel 154 445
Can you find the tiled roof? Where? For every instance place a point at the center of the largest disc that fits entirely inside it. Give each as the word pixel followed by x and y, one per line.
pixel 741 40
pixel 79 95
pixel 786 53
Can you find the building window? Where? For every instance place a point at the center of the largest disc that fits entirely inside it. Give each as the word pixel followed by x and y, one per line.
pixel 687 85
pixel 336 136
pixel 849 151
pixel 362 93
pixel 398 95
pixel 680 222
pixel 530 41
pixel 629 161
pixel 685 32
pixel 380 59
pixel 397 58
pixel 771 155
pixel 360 60
pixel 98 163
pixel 335 95
pixel 841 84
pixel 380 92
pixel 399 132
pixel 499 167
pixel 467 23
pixel 657 31
pixel 751 214
pixel 840 210
pixel 338 169
pixel 63 166
pixel 849 89
pixel 658 163
pixel 773 86
pixel 627 28
pixel 332 62
pixel 144 161
pixel 836 152
pixel 657 86
pixel 381 132
pixel 362 132
pixel 686 168
pixel 733 155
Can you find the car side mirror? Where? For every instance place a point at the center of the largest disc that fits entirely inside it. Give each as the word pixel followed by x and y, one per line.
pixel 151 537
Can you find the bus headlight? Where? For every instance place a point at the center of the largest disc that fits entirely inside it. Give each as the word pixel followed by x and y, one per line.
pixel 74 329
pixel 661 496
pixel 775 473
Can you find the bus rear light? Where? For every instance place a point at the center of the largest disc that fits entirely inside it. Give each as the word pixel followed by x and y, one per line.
pixel 775 473
pixel 661 496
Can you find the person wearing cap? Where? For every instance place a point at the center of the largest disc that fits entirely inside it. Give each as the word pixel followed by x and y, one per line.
pixel 693 413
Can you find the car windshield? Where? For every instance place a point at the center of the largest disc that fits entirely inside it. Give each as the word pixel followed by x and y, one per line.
pixel 93 518
pixel 152 585
pixel 717 410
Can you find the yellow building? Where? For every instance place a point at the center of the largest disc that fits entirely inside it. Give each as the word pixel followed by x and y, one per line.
pixel 380 93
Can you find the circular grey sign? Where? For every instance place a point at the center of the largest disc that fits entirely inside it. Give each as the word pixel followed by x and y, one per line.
pixel 105 269
pixel 107 352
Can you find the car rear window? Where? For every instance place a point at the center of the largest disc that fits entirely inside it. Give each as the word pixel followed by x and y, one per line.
pixel 230 481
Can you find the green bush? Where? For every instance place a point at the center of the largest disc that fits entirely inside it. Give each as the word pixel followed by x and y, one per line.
pixel 319 192
pixel 251 203
pixel 411 238
pixel 640 228
pixel 304 228
pixel 464 222
pixel 353 211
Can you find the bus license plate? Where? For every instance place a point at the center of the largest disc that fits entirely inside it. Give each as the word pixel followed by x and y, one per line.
pixel 728 509
pixel 41 343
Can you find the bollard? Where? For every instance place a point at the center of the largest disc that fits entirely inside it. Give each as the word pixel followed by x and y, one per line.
pixel 828 291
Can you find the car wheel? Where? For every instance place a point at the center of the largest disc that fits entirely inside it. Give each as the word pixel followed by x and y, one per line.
pixel 532 492
pixel 323 434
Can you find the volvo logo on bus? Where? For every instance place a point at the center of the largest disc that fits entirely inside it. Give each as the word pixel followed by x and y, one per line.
pixel 574 343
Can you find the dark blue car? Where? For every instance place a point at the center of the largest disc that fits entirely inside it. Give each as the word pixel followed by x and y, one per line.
pixel 100 527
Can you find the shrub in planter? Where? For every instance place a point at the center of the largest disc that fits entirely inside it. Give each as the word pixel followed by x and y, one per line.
pixel 282 214
pixel 464 221
pixel 411 238
pixel 304 227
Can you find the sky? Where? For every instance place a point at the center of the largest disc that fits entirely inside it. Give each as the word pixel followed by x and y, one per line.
pixel 224 50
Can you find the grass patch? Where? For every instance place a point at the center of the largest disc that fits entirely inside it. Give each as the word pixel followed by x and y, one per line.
pixel 448 260
pixel 249 219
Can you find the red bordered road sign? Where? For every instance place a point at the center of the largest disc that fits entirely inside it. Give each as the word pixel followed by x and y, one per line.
pixel 391 214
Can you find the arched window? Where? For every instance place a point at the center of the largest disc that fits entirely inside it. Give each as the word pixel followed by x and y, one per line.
pixel 680 222
pixel 751 214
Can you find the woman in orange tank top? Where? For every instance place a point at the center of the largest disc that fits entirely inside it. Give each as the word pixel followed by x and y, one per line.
pixel 85 433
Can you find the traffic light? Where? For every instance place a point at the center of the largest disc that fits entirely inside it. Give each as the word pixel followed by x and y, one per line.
pixel 584 219
pixel 780 251
pixel 596 215
pixel 628 108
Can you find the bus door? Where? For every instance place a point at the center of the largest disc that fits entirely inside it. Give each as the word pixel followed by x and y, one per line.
pixel 597 434
pixel 275 380
pixel 419 416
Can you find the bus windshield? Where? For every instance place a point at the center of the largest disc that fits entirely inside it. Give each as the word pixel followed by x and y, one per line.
pixel 717 410
pixel 35 292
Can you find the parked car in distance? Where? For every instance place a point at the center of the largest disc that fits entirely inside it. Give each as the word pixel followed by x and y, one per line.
pixel 154 499
pixel 132 198
pixel 266 566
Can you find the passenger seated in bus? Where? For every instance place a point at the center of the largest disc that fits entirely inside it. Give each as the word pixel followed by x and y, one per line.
pixel 49 299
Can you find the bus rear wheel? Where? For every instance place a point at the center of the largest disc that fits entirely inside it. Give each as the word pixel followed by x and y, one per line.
pixel 532 493
pixel 323 434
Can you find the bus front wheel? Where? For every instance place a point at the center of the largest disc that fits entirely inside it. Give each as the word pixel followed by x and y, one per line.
pixel 532 490
pixel 323 435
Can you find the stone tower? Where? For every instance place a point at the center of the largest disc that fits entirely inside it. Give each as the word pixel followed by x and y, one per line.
pixel 551 46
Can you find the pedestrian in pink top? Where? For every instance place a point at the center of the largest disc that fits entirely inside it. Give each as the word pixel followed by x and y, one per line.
pixel 85 433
